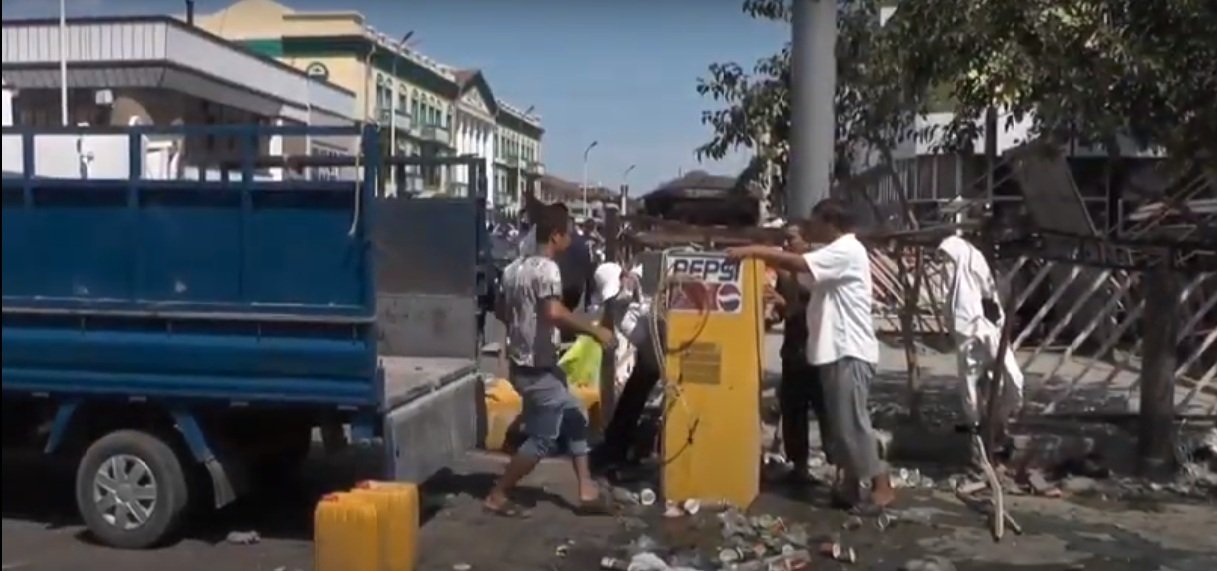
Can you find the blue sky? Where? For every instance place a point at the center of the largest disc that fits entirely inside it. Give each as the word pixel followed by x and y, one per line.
pixel 621 72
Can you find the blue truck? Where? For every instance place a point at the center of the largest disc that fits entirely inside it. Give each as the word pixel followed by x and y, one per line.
pixel 182 338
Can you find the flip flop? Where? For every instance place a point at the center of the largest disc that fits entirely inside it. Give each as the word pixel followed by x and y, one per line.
pixel 508 510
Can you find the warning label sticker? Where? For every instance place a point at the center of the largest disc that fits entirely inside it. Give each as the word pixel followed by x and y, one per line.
pixel 704 283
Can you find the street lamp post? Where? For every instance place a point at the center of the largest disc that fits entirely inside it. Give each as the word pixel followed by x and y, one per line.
pixel 585 154
pixel 625 185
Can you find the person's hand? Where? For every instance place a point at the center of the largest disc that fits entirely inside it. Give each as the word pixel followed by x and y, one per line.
pixel 606 338
pixel 771 293
pixel 741 252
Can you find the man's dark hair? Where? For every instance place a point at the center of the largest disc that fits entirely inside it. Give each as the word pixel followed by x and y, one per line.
pixel 552 220
pixel 835 213
pixel 561 206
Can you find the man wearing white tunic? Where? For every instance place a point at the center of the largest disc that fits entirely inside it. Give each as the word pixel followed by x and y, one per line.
pixel 974 314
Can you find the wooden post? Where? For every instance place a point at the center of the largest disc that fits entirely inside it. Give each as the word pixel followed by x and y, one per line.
pixel 911 294
pixel 608 369
pixel 612 231
pixel 1157 420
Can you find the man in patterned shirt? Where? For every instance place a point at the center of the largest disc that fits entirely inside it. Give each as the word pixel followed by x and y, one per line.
pixel 530 305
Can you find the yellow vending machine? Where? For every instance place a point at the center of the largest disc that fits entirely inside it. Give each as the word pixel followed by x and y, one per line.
pixel 713 312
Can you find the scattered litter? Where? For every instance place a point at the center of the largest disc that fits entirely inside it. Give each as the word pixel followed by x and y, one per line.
pixel 932 563
pixel 852 523
pixel 1079 485
pixel 1041 486
pixel 647 497
pixel 462 567
pixel 884 521
pixel 672 510
pixel 838 552
pixel 912 478
pixel 244 538
pixel 647 562
pixel 624 497
pixel 614 564
pixel 691 506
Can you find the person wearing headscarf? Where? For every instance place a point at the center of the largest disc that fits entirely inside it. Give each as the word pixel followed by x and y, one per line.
pixel 974 315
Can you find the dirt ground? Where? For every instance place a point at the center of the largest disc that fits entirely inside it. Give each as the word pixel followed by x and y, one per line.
pixel 1082 533
pixel 1086 530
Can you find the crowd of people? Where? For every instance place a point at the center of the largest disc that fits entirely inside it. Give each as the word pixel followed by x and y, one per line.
pixel 830 351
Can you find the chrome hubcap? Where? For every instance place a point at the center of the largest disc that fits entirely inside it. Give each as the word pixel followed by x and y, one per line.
pixel 124 491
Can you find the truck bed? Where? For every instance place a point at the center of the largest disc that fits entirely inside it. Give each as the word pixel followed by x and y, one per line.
pixel 408 379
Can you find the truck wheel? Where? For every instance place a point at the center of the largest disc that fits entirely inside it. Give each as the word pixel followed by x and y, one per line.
pixel 131 490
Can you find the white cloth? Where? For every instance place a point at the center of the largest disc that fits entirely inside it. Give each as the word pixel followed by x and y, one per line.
pixel 978 339
pixel 631 321
pixel 839 321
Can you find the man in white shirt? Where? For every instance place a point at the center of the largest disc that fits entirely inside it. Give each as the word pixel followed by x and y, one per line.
pixel 841 343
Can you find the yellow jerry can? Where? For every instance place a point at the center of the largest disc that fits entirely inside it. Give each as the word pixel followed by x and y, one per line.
pixel 347 534
pixel 397 505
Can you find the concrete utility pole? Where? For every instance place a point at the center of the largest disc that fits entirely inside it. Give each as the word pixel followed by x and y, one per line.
pixel 64 116
pixel 813 68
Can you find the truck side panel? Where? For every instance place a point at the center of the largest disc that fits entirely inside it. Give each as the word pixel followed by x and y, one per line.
pixel 238 290
pixel 105 244
pixel 157 357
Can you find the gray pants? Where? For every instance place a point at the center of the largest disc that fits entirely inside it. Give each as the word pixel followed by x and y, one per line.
pixel 846 385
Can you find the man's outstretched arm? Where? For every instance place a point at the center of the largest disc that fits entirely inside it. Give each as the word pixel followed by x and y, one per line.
pixel 774 257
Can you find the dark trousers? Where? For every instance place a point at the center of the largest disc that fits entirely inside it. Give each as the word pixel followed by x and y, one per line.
pixel 622 429
pixel 800 394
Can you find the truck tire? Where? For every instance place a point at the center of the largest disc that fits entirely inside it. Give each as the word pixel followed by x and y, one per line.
pixel 131 490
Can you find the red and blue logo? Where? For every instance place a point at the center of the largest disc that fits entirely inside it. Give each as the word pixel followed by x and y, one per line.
pixel 730 299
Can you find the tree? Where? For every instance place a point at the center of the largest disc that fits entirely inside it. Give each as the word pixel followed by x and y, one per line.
pixel 1087 70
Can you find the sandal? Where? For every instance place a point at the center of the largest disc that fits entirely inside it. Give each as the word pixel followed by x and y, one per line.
pixel 507 510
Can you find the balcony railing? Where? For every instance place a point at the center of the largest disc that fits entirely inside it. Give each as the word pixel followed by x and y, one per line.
pixel 404 121
pixel 436 133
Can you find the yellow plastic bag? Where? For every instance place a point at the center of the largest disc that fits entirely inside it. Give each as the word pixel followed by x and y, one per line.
pixel 581 363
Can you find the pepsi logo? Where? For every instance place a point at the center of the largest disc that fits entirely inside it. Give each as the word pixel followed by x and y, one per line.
pixel 729 298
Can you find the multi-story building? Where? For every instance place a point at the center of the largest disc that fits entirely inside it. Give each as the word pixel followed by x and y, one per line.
pixel 476 112
pixel 517 161
pixel 162 71
pixel 430 109
pixel 1082 195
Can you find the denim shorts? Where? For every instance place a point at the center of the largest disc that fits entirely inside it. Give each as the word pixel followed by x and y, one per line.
pixel 552 416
